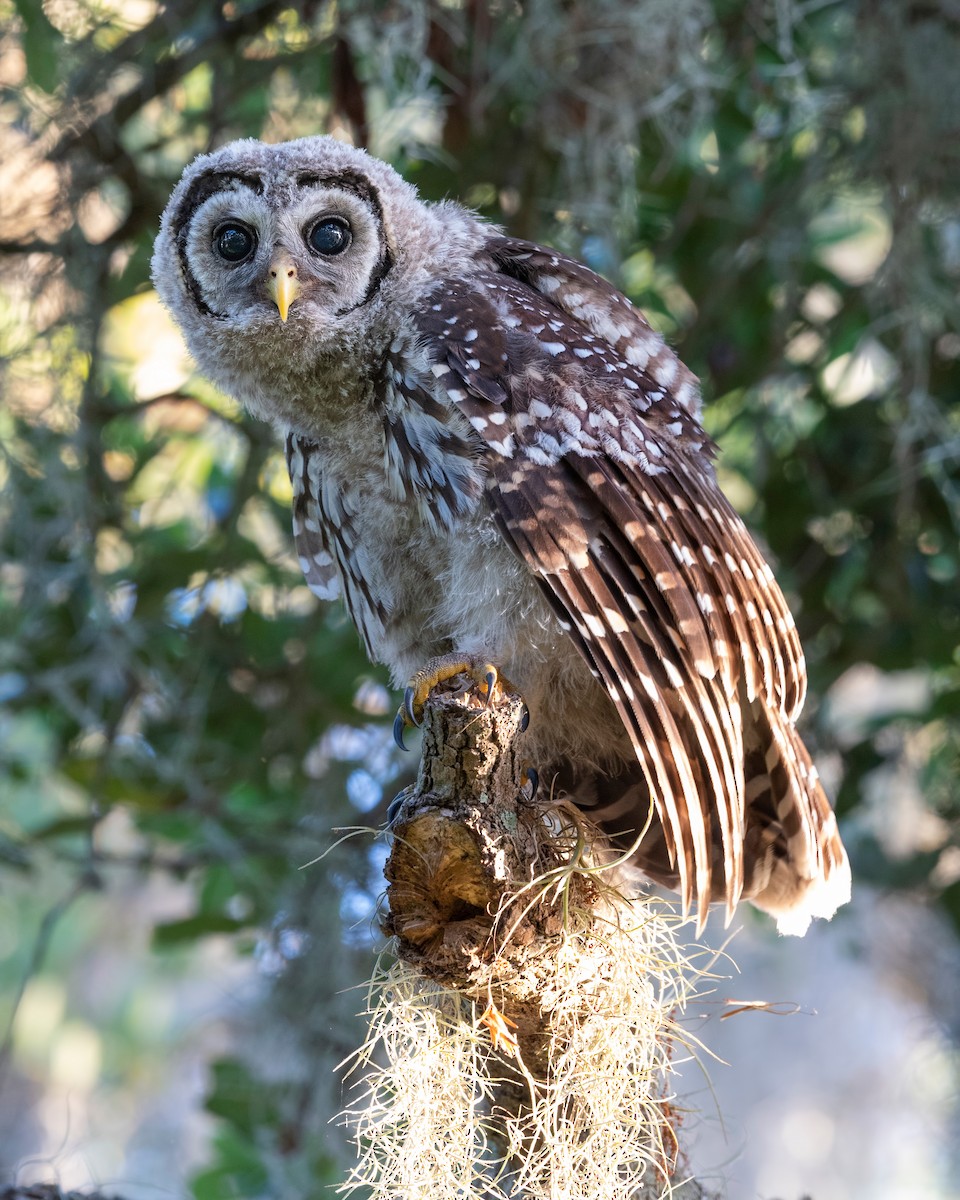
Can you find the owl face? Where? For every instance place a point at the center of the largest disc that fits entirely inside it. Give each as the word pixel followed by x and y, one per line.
pixel 258 251
pixel 289 267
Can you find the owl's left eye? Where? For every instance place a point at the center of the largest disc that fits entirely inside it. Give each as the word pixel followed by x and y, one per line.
pixel 330 236
pixel 234 242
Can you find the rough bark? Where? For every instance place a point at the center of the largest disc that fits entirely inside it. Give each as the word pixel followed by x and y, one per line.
pixel 467 841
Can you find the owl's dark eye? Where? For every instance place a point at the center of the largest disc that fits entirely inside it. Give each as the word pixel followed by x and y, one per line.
pixel 234 242
pixel 330 236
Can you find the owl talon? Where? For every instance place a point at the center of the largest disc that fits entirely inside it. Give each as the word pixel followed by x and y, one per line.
pixel 409 706
pixel 399 722
pixel 407 715
pixel 393 808
pixel 439 670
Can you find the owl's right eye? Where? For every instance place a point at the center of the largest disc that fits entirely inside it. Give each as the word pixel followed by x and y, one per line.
pixel 330 236
pixel 234 242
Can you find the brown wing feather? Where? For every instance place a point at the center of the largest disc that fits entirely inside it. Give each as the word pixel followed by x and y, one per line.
pixel 709 699
pixel 684 726
pixel 601 479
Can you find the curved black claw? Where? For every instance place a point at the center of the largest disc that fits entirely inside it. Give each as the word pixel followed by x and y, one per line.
pixel 406 716
pixel 491 681
pixel 398 726
pixel 393 808
pixel 524 719
pixel 409 697
pixel 533 778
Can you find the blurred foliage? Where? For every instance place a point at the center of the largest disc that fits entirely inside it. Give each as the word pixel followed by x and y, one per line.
pixel 774 183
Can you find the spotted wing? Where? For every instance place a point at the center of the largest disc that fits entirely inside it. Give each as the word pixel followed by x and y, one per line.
pixel 599 309
pixel 602 481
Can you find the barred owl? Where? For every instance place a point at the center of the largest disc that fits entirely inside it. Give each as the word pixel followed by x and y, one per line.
pixel 494 455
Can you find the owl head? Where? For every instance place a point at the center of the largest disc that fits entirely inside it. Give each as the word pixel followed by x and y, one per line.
pixel 297 260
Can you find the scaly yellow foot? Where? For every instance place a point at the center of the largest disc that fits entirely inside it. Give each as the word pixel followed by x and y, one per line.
pixel 439 670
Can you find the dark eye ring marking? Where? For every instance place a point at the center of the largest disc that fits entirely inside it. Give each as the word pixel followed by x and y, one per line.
pixel 234 242
pixel 199 191
pixel 330 236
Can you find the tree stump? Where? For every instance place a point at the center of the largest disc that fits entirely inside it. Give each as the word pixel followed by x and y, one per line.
pixel 524 1035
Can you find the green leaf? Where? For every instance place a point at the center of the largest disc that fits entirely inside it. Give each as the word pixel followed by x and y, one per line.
pixel 245 1102
pixel 42 45
pixel 62 827
pixel 191 929
pixel 239 1170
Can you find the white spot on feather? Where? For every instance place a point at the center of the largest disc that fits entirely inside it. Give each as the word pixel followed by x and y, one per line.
pixel 595 625
pixel 673 675
pixel 615 620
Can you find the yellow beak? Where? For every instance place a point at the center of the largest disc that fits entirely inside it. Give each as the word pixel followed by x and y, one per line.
pixel 282 282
